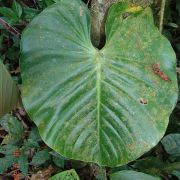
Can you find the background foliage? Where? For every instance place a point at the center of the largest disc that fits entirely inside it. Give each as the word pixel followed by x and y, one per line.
pixel 21 148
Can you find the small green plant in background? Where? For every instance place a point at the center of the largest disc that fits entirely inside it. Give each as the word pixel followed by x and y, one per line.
pixel 21 148
pixel 12 15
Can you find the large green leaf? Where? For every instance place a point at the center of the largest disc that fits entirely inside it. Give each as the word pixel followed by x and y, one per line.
pixel 9 95
pixel 106 106
pixel 129 174
pixel 66 175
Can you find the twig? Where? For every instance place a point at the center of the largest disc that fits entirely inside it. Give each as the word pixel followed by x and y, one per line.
pixel 163 3
pixel 164 177
pixel 88 3
pixel 22 3
pixel 22 121
pixel 9 28
pixel 178 70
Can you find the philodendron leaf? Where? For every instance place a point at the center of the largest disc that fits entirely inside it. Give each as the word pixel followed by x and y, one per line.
pixel 129 174
pixel 66 175
pixel 9 95
pixel 171 144
pixel 107 106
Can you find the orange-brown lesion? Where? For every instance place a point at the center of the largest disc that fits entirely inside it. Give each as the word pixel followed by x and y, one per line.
pixel 161 74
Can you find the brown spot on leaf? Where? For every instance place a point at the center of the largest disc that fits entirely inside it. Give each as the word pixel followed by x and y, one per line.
pixel 17 153
pixel 131 146
pixel 161 74
pixel 81 11
pixel 42 125
pixel 126 14
pixel 16 166
pixel 143 101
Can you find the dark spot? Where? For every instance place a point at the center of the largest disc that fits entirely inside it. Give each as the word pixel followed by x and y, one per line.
pixel 160 73
pixel 143 101
pixel 125 15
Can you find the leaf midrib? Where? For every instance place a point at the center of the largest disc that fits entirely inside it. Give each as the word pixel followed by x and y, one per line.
pixel 98 65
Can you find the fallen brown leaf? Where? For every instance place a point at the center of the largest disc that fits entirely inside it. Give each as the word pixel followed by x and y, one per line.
pixel 43 174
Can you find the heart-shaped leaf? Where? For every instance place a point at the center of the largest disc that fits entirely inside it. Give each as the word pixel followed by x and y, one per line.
pixel 9 95
pixel 107 106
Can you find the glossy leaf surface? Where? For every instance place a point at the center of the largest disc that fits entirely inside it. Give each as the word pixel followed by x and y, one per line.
pixel 129 174
pixel 107 106
pixel 66 175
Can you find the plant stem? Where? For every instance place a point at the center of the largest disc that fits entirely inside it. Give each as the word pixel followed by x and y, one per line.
pixel 163 3
pixel 99 12
pixel 9 28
